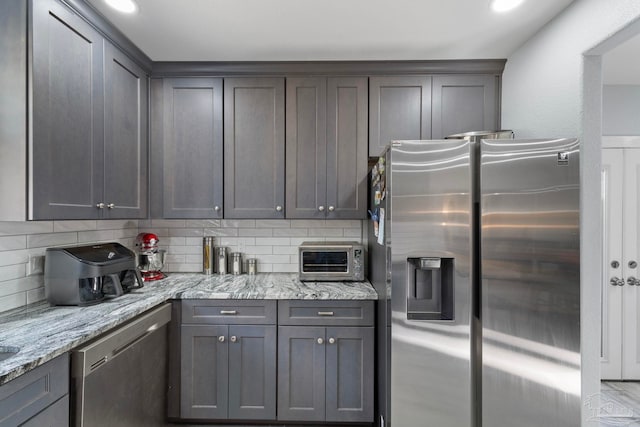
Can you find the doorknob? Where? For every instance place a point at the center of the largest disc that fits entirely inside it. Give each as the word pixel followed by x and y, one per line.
pixel 616 281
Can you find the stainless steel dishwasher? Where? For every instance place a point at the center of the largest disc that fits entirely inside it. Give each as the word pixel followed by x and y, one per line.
pixel 120 379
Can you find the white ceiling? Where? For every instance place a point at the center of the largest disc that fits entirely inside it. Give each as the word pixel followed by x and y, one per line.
pixel 621 66
pixel 302 30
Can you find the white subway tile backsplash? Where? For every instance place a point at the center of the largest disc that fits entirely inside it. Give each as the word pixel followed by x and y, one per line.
pixel 14 257
pixel 52 239
pixel 353 232
pixel 326 232
pixel 237 223
pixel 273 242
pixel 12 228
pixel 186 232
pixel 285 268
pixel 35 295
pixel 307 223
pixel 8 243
pixel 285 250
pixel 273 259
pixel 273 223
pixel 290 232
pixel 64 226
pixel 95 236
pixel 220 232
pixel 11 272
pixel 260 250
pixel 203 223
pixel 22 284
pixel 13 301
pixel 255 232
pixel 168 223
pixel 116 224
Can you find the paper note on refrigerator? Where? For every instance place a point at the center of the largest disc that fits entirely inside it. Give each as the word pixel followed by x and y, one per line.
pixel 381 227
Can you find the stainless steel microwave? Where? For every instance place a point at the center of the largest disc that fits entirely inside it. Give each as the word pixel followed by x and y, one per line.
pixel 328 261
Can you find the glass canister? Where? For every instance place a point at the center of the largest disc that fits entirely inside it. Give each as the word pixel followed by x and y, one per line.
pixel 252 266
pixel 236 263
pixel 207 255
pixel 221 260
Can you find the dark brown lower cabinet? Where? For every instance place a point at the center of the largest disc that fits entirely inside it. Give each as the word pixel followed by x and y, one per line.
pixel 228 372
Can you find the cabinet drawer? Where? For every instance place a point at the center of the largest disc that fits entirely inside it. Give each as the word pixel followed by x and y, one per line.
pixel 27 395
pixel 229 312
pixel 325 313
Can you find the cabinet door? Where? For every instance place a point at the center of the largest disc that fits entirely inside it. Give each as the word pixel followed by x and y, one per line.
pixel 463 103
pixel 204 376
pixel 630 252
pixel 125 136
pixel 347 167
pixel 301 373
pixel 67 120
pixel 254 148
pixel 612 196
pixel 306 147
pixel 191 144
pixel 252 372
pixel 56 415
pixel 399 108
pixel 349 392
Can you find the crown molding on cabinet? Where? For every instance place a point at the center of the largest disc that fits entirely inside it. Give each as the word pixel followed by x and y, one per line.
pixel 342 68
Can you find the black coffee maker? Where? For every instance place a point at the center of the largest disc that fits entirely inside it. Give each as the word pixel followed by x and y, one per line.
pixel 83 275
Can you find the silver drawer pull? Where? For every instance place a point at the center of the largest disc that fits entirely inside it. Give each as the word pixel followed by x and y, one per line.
pixel 325 313
pixel 228 312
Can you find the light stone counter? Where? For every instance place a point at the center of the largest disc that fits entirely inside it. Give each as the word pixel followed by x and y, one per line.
pixel 43 332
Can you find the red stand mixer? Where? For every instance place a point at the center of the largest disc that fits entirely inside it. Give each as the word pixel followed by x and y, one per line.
pixel 149 258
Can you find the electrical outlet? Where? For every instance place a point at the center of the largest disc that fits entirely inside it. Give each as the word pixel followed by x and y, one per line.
pixel 35 265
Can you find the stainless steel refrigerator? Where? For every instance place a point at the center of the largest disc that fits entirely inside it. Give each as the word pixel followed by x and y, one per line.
pixel 476 246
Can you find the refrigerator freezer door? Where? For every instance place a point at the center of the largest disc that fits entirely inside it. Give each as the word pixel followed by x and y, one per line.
pixel 530 283
pixel 430 191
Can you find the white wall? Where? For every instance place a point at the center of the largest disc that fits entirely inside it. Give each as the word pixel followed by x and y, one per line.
pixel 621 109
pixel 550 89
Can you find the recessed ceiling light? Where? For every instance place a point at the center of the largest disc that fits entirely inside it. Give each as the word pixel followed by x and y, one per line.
pixel 505 5
pixel 125 6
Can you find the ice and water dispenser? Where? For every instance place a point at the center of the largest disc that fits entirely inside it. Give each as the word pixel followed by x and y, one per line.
pixel 430 290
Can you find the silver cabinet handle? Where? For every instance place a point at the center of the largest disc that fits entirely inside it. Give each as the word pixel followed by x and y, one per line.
pixel 228 312
pixel 279 208
pixel 616 281
pixel 216 208
pixel 221 338
pixel 320 341
pixel 332 340
pixel 325 313
pixel 111 205
pixel 632 264
pixel 331 208
pixel 321 208
pixel 632 281
pixel 100 205
pixel 234 338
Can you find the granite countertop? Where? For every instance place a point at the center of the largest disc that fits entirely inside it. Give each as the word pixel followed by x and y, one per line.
pixel 43 332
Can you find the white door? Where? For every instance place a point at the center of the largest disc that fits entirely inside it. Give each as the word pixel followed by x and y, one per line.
pixel 620 355
pixel 630 246
pixel 612 195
